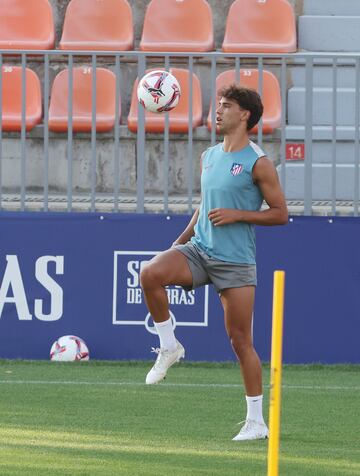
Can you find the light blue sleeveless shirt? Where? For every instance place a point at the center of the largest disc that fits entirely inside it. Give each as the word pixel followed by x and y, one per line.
pixel 227 182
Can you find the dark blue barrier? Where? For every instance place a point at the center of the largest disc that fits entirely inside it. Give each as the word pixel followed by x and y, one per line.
pixel 79 274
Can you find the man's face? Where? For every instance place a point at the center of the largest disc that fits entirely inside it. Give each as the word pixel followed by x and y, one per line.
pixel 229 116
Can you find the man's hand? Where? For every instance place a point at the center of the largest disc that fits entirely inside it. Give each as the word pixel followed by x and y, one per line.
pixel 223 216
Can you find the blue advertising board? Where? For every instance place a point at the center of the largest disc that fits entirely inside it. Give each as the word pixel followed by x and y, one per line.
pixel 67 273
pixel 187 308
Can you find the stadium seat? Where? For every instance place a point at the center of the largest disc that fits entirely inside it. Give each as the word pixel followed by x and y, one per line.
pixel 178 25
pixel 98 25
pixel 260 26
pixel 26 25
pixel 179 116
pixel 271 97
pixel 82 100
pixel 12 99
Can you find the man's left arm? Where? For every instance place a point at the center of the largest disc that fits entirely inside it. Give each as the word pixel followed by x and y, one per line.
pixel 265 176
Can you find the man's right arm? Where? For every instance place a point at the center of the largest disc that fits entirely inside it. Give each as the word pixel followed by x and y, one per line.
pixel 189 230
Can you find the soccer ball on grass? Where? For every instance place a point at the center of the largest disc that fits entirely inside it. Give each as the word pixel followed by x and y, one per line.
pixel 69 349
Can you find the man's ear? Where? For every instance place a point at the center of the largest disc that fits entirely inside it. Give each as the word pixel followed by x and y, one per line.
pixel 246 115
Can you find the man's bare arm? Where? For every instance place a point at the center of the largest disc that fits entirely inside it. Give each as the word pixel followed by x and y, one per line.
pixel 189 230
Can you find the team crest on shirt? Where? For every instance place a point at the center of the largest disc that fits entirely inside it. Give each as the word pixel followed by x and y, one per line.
pixel 236 169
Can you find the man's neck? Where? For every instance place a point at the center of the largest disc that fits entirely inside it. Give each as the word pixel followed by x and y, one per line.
pixel 235 142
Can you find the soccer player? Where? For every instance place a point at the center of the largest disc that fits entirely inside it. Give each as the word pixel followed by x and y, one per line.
pixel 218 245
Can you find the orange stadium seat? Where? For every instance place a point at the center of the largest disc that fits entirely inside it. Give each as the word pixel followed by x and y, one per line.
pixel 98 25
pixel 271 97
pixel 82 100
pixel 260 26
pixel 179 116
pixel 178 25
pixel 12 99
pixel 26 25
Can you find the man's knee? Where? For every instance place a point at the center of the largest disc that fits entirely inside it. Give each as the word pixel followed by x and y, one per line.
pixel 240 342
pixel 150 276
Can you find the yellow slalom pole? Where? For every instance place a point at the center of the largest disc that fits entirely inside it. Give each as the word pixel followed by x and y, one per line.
pixel 275 378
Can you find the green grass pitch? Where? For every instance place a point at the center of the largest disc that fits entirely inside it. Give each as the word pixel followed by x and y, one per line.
pixel 99 419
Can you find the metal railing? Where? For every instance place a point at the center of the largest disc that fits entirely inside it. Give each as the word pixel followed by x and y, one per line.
pixel 337 198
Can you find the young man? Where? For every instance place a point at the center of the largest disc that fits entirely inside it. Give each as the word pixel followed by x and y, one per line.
pixel 218 245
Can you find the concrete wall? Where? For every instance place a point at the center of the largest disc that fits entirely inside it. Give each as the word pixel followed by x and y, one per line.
pixel 155 179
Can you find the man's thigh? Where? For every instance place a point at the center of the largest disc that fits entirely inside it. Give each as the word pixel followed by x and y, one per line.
pixel 238 304
pixel 197 265
pixel 231 275
pixel 171 268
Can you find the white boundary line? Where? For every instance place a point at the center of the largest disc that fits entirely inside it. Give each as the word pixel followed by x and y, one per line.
pixel 184 385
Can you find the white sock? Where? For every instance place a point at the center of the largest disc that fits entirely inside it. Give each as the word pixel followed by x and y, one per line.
pixel 254 408
pixel 166 334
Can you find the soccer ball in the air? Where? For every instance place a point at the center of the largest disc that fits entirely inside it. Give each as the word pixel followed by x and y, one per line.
pixel 158 91
pixel 68 349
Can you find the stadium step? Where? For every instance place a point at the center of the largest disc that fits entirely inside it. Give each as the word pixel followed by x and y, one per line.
pixel 329 33
pixel 322 152
pixel 104 203
pixel 153 203
pixel 322 106
pixel 323 76
pixel 331 7
pixel 321 181
pixel 325 133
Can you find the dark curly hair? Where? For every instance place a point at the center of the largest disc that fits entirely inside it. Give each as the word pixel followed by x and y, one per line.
pixel 247 99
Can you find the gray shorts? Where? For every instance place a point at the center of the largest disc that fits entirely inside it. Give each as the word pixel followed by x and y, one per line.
pixel 208 270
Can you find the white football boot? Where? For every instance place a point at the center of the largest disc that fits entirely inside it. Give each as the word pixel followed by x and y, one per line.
pixel 164 361
pixel 252 430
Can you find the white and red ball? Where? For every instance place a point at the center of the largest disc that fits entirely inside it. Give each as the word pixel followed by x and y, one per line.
pixel 158 91
pixel 69 349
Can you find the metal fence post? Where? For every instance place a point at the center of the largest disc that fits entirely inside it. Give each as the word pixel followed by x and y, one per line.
pixel 308 135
